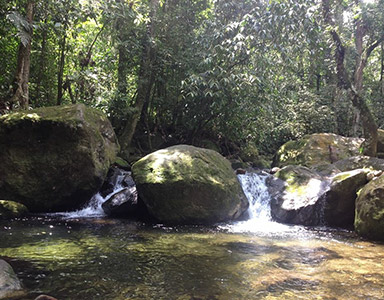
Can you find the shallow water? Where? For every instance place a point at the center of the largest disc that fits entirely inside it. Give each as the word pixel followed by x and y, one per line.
pixel 120 259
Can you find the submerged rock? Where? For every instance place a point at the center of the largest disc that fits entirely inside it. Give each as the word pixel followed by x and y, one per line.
pixel 10 285
pixel 339 206
pixel 185 184
pixel 54 158
pixel 296 196
pixel 369 218
pixel 317 149
pixel 12 209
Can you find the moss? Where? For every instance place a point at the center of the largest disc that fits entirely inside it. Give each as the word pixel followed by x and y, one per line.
pixel 57 158
pixel 11 209
pixel 312 150
pixel 369 218
pixel 185 184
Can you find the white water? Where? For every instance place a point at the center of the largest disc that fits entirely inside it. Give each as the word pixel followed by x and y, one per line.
pixel 259 211
pixel 93 208
pixel 254 187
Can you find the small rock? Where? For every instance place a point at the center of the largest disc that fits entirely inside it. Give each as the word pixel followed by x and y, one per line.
pixel 10 286
pixel 274 170
pixel 45 297
pixel 240 171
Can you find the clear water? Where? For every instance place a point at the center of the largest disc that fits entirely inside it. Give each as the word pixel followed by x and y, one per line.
pixel 100 258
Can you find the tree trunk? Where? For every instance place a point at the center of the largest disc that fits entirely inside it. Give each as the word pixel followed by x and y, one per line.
pixel 145 81
pixel 21 95
pixel 382 70
pixel 354 89
pixel 43 52
pixel 60 73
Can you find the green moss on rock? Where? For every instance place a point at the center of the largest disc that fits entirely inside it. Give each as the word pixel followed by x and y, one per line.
pixel 369 218
pixel 11 209
pixel 296 195
pixel 55 158
pixel 186 184
pixel 317 149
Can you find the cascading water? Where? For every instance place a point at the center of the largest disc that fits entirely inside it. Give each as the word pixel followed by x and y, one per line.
pixel 259 211
pixel 93 208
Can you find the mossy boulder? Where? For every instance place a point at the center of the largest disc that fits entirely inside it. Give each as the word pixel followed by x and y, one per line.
pixel 317 149
pixel 189 185
pixel 369 218
pixel 10 285
pixel 11 209
pixel 339 206
pixel 360 162
pixel 296 195
pixel 54 158
pixel 380 141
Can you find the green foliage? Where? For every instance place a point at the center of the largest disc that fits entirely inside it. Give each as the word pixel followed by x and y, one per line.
pixel 237 73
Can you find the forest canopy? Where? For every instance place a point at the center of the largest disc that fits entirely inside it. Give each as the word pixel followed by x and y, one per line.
pixel 234 73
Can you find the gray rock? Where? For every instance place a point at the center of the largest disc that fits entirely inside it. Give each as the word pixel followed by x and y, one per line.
pixel 339 208
pixel 297 195
pixel 10 285
pixel 369 218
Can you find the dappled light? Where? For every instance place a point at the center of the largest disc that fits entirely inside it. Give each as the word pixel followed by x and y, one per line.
pixel 191 149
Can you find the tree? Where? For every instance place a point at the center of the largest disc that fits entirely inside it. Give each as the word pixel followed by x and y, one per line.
pixel 354 83
pixel 21 94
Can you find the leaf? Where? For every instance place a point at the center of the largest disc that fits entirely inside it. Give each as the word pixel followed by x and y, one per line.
pixel 22 25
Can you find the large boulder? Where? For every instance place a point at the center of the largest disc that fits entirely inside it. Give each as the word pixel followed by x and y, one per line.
pixel 185 184
pixel 10 285
pixel 369 218
pixel 317 149
pixel 380 141
pixel 360 162
pixel 339 206
pixel 54 158
pixel 12 209
pixel 296 195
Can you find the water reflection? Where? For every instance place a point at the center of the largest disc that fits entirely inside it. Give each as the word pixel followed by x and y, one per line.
pixel 103 259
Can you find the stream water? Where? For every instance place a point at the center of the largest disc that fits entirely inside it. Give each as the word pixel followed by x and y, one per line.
pixel 73 257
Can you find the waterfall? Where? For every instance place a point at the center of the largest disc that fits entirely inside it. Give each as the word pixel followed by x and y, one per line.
pixel 259 212
pixel 93 208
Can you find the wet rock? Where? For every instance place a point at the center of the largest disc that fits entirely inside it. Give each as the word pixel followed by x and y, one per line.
pixel 185 184
pixel 54 158
pixel 10 285
pixel 240 171
pixel 339 208
pixel 296 195
pixel 274 170
pixel 11 209
pixel 122 204
pixel 374 174
pixel 369 218
pixel 317 149
pixel 116 176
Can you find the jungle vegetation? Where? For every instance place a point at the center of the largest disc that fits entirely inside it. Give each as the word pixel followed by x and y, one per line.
pixel 250 73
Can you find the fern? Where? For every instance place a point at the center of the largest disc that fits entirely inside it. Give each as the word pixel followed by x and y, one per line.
pixel 23 27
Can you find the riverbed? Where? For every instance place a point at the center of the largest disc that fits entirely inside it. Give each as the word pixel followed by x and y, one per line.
pixel 101 258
